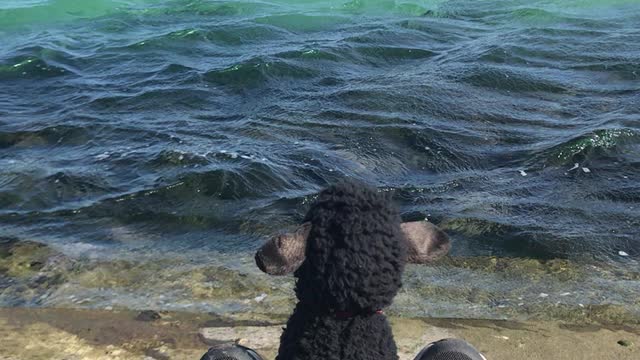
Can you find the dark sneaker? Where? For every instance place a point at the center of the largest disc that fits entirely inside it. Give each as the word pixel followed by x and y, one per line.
pixel 450 349
pixel 231 352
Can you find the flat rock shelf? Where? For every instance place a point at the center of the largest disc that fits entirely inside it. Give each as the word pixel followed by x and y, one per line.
pixel 99 334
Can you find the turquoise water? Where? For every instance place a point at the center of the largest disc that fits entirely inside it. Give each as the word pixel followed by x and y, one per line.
pixel 183 131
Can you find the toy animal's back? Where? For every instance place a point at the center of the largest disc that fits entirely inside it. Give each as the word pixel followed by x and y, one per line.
pixel 314 337
pixel 354 259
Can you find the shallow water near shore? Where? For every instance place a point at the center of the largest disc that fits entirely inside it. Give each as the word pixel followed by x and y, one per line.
pixel 150 146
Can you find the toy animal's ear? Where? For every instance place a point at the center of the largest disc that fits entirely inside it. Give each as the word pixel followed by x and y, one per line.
pixel 282 254
pixel 425 242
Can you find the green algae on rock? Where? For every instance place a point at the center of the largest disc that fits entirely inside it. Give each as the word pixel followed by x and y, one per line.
pixel 24 259
pixel 561 269
pixel 30 271
pixel 201 282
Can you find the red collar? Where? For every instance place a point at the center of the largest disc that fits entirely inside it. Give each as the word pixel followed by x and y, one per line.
pixel 343 315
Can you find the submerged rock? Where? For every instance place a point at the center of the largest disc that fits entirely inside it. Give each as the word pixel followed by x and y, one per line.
pixel 23 258
pixel 148 315
pixel 561 269
pixel 30 271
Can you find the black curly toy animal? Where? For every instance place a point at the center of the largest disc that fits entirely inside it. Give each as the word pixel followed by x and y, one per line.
pixel 354 259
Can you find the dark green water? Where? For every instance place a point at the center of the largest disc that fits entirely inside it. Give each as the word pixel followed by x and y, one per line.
pixel 184 132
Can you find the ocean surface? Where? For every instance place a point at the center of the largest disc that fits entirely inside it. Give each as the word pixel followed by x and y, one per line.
pixel 156 144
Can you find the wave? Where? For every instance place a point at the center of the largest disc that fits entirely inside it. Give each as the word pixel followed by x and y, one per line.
pixel 257 71
pixel 178 158
pixel 386 55
pixel 358 55
pixel 60 135
pixel 30 68
pixel 304 23
pixel 174 96
pixel 191 198
pixel 211 8
pixel 504 239
pixel 32 191
pixel 588 146
pixel 55 11
pixel 227 36
pixel 512 80
pixel 60 11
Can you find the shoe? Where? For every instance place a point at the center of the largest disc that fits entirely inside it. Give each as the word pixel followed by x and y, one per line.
pixel 231 352
pixel 450 349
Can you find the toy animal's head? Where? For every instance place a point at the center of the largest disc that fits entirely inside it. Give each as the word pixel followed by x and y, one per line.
pixel 355 251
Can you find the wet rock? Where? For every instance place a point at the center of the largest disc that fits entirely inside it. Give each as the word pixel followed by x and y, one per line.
pixel 257 337
pixel 162 352
pixel 148 315
pixel 625 343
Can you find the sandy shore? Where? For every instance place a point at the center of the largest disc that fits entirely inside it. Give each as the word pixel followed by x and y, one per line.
pixel 33 334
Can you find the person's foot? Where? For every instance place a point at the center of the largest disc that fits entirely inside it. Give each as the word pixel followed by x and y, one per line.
pixel 231 352
pixel 450 349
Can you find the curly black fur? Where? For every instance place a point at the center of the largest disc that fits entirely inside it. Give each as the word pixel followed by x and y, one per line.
pixel 353 265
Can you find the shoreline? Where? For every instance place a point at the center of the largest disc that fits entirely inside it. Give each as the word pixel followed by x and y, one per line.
pixel 35 274
pixel 64 333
